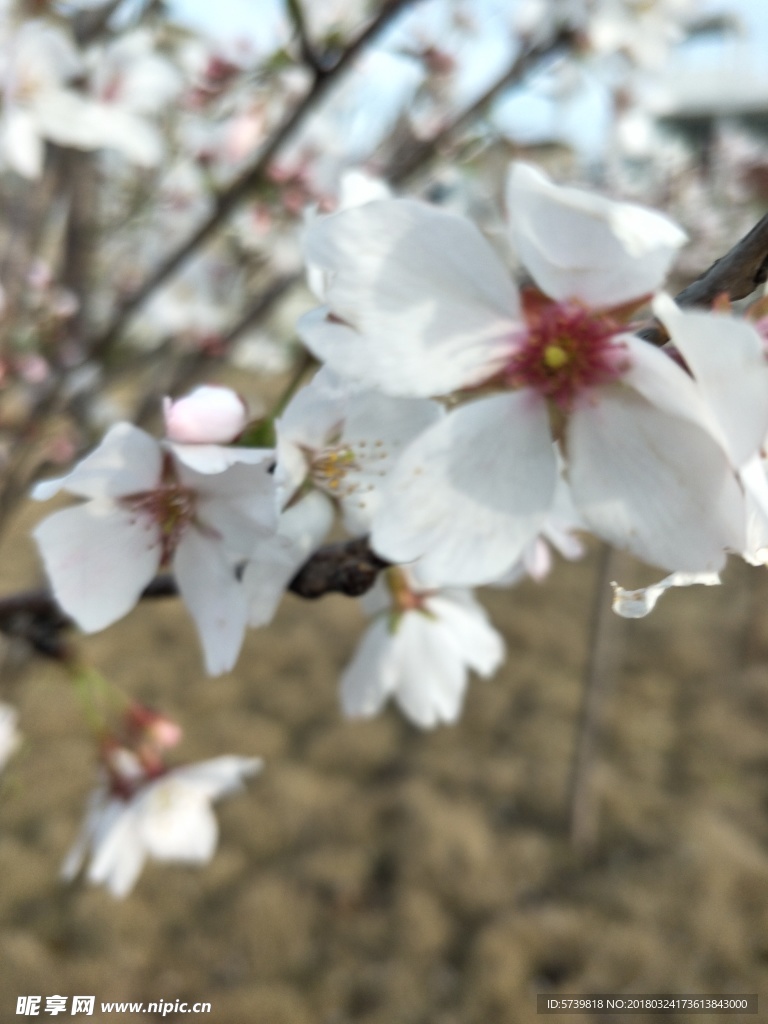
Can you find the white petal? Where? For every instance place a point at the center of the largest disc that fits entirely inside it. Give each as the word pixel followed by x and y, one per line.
pixel 370 677
pixel 220 775
pixel 99 558
pixel 579 245
pixel 665 384
pixel 275 560
pixel 432 677
pixel 215 458
pixel 653 484
pixel 755 482
pixel 176 822
pixel 725 355
pixel 636 604
pixel 239 505
pixel 377 429
pixel 118 853
pixel 432 302
pixel 471 491
pixel 215 598
pixel 466 630
pixel 22 145
pixel 10 738
pixel 127 461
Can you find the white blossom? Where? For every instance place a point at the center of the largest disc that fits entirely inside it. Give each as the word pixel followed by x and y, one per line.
pixel 168 818
pixel 146 509
pixel 418 651
pixel 344 440
pixel 421 305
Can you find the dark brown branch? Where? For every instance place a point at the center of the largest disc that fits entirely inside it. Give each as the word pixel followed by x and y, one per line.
pixel 735 275
pixel 229 198
pixel 347 568
pixel 307 50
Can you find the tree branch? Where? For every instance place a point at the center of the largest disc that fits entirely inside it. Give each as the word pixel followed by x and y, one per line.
pixel 736 275
pixel 347 568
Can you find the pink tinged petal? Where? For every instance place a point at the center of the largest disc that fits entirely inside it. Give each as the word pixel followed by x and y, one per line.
pixel 471 492
pixel 579 245
pixel 653 484
pixel 176 822
pixel 726 358
pixel 127 461
pixel 276 560
pixel 214 596
pixel 431 301
pixel 99 558
pixel 466 630
pixel 636 604
pixel 208 415
pixel 371 677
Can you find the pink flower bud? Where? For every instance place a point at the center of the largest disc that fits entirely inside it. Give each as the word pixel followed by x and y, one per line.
pixel 209 415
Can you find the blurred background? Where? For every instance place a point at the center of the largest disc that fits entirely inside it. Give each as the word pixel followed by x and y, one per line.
pixel 373 872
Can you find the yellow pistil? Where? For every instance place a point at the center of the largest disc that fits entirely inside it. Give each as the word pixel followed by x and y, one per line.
pixel 556 357
pixel 331 467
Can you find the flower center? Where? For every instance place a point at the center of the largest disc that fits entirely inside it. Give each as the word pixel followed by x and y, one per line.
pixel 170 508
pixel 348 468
pixel 567 349
pixel 330 466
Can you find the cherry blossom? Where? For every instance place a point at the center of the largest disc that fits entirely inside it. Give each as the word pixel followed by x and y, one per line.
pixel 344 440
pixel 168 818
pixel 419 304
pixel 418 651
pixel 148 509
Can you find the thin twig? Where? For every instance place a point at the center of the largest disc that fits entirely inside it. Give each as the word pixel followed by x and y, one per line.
pixel 412 156
pixel 307 50
pixel 584 806
pixel 229 198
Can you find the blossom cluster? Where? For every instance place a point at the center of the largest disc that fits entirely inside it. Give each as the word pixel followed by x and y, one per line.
pixel 459 422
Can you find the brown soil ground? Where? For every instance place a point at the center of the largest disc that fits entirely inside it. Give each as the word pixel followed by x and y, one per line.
pixel 379 875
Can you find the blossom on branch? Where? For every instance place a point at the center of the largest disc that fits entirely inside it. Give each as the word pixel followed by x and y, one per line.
pixel 166 817
pixel 419 304
pixel 147 508
pixel 418 650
